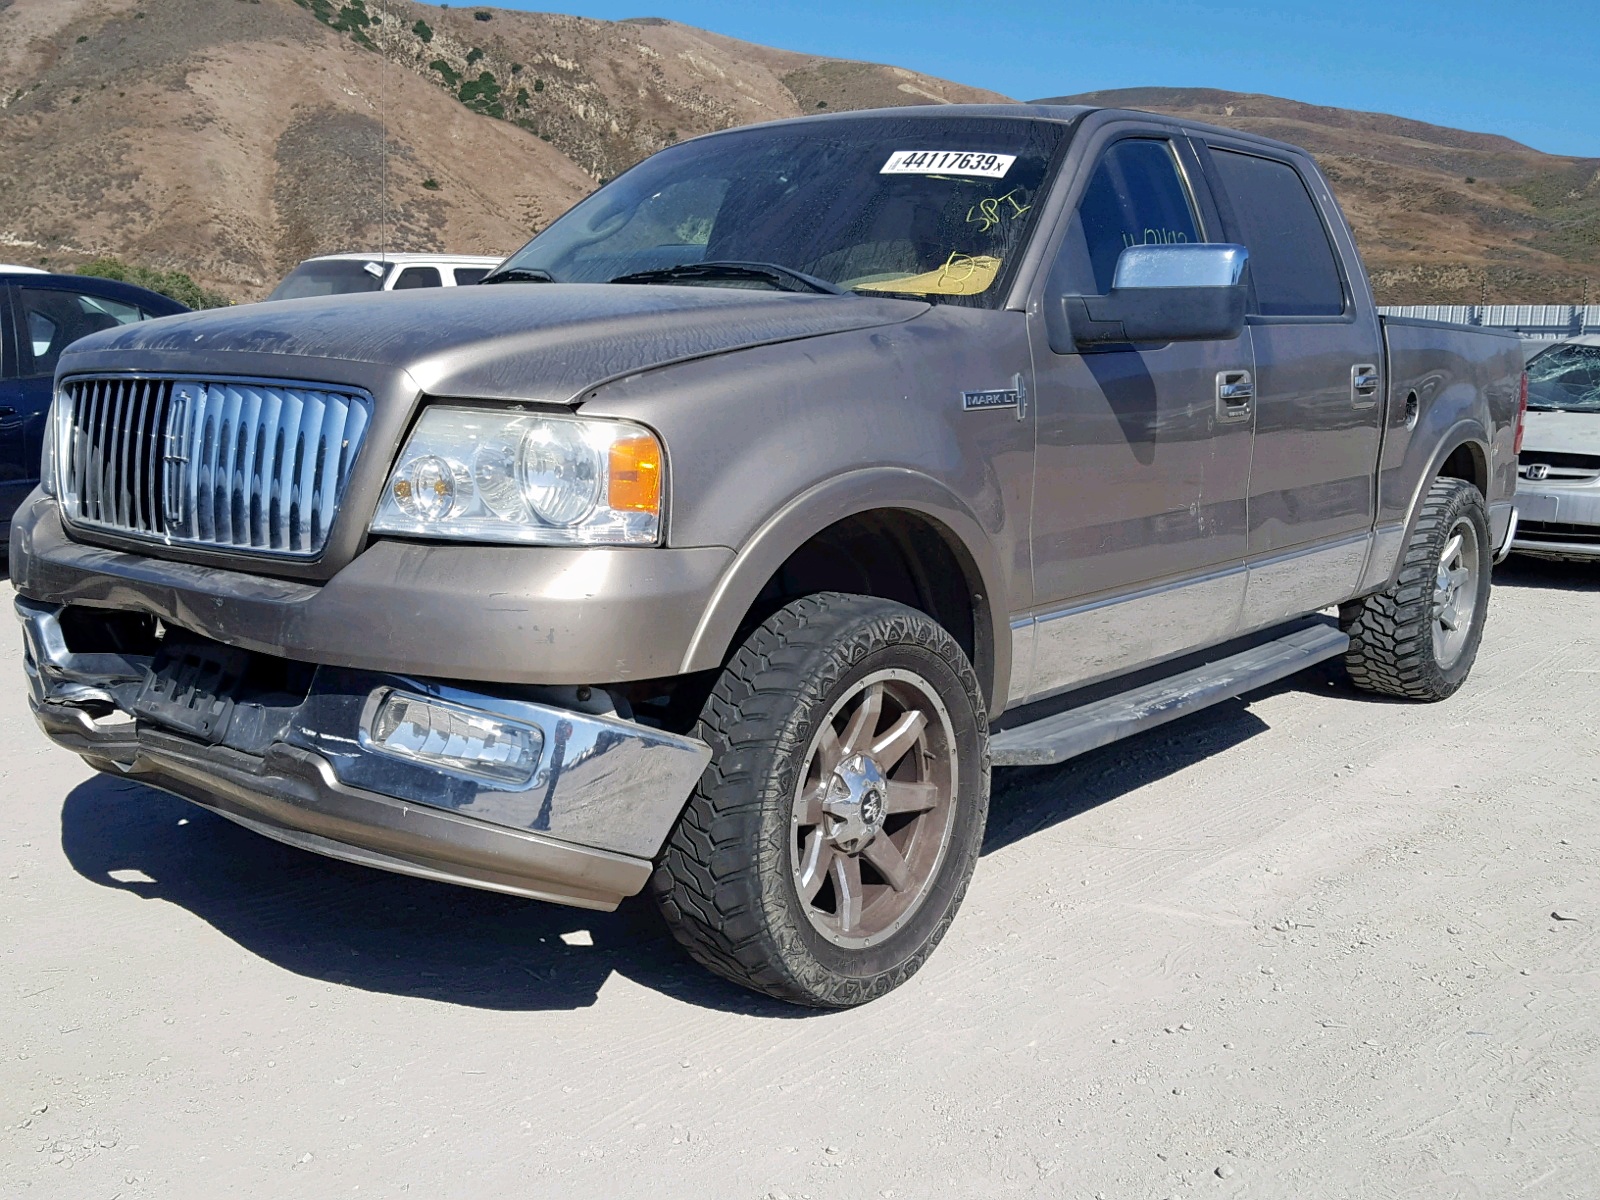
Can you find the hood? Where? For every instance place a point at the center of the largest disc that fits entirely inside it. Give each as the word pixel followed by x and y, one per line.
pixel 1563 432
pixel 510 341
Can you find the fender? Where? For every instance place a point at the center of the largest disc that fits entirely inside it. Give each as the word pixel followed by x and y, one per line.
pixel 809 513
pixel 1467 431
pixel 1389 544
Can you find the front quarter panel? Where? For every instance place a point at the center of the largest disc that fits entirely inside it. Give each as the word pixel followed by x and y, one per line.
pixel 769 446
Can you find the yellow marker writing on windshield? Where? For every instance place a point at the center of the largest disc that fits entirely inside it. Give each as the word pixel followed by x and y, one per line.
pixel 986 214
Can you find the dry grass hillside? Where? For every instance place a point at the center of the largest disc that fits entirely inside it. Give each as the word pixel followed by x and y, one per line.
pixel 1442 215
pixel 230 138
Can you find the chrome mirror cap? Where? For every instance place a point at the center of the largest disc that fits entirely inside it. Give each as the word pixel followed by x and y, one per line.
pixel 1184 264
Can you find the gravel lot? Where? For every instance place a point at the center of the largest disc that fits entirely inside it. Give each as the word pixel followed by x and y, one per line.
pixel 1297 946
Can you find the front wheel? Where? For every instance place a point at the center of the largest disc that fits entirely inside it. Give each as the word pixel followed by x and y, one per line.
pixel 1419 639
pixel 831 839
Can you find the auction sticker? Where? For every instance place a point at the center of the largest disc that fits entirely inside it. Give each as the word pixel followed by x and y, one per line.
pixel 948 162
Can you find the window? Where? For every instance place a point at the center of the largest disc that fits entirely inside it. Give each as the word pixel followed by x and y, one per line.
pixel 330 277
pixel 469 275
pixel 1135 198
pixel 1565 379
pixel 418 277
pixel 933 208
pixel 1291 260
pixel 52 319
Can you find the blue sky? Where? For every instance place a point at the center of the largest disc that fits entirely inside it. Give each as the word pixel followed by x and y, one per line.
pixel 1529 69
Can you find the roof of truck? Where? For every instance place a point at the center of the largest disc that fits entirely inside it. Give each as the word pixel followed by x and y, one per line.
pixel 1055 110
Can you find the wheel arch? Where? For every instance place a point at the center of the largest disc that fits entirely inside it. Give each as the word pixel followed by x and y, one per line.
pixel 1463 453
pixel 890 507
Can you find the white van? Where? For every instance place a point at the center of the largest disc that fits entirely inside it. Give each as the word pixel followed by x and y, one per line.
pixel 335 274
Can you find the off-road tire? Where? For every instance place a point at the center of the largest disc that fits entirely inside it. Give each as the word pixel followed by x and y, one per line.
pixel 724 880
pixel 1391 633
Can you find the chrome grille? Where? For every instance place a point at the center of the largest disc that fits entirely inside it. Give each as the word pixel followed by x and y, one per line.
pixel 232 464
pixel 1555 466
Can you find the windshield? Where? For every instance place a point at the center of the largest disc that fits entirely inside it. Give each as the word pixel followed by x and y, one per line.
pixel 331 277
pixel 910 206
pixel 1567 378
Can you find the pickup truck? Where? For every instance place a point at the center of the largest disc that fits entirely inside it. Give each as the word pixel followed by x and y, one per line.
pixel 721 540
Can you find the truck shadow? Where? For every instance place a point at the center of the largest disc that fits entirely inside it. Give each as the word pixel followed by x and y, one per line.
pixel 372 930
pixel 1520 571
pixel 1026 800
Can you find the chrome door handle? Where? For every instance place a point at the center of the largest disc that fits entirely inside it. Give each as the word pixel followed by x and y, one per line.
pixel 1364 385
pixel 1235 391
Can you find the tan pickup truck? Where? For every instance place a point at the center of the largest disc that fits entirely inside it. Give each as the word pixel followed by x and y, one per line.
pixel 720 541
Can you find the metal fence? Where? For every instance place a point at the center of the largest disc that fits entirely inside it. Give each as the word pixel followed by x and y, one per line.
pixel 1532 321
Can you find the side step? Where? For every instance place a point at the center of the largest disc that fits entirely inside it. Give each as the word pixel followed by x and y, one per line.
pixel 1065 735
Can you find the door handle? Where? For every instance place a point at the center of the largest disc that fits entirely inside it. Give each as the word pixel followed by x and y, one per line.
pixel 1235 391
pixel 1364 385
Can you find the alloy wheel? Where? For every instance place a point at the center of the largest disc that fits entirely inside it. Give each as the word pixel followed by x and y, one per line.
pixel 873 811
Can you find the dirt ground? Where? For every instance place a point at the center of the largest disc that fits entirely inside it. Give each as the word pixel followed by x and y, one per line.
pixel 1299 946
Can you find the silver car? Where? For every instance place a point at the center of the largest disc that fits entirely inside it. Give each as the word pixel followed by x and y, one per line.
pixel 1558 476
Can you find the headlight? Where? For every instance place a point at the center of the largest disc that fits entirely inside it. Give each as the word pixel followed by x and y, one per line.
pixel 489 475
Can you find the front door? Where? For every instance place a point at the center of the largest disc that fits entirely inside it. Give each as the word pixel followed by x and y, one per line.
pixel 1139 518
pixel 1318 389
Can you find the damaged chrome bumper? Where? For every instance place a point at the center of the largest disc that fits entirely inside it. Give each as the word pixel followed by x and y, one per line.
pixel 298 763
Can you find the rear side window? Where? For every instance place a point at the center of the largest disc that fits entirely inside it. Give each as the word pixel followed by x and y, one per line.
pixel 418 277
pixel 51 319
pixel 1135 198
pixel 1291 260
pixel 468 275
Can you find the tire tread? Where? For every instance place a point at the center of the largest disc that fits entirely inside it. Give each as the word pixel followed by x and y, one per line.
pixel 1391 632
pixel 708 882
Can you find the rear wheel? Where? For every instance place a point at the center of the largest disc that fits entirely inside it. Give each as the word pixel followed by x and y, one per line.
pixel 1420 638
pixel 831 840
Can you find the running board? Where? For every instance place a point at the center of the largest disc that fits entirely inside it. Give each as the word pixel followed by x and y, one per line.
pixel 1065 735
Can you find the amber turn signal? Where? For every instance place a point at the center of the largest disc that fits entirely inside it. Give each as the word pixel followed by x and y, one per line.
pixel 635 474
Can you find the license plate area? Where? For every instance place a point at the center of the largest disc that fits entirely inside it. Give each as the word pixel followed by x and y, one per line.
pixel 192 687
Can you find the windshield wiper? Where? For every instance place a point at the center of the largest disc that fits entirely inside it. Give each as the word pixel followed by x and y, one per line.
pixel 783 278
pixel 519 275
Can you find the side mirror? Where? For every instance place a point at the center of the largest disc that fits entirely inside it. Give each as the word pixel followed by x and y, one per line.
pixel 1172 293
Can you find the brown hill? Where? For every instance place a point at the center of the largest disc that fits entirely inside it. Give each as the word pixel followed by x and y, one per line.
pixel 1442 215
pixel 231 138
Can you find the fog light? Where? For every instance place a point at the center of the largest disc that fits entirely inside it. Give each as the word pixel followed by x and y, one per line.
pixel 464 741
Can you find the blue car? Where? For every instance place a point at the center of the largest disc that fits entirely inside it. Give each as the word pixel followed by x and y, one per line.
pixel 40 315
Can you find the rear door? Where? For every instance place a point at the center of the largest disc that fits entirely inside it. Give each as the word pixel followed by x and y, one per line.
pixel 1318 357
pixel 1139 499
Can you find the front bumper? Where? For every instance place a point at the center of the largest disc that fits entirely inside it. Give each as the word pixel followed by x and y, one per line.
pixel 293 766
pixel 541 615
pixel 1558 521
